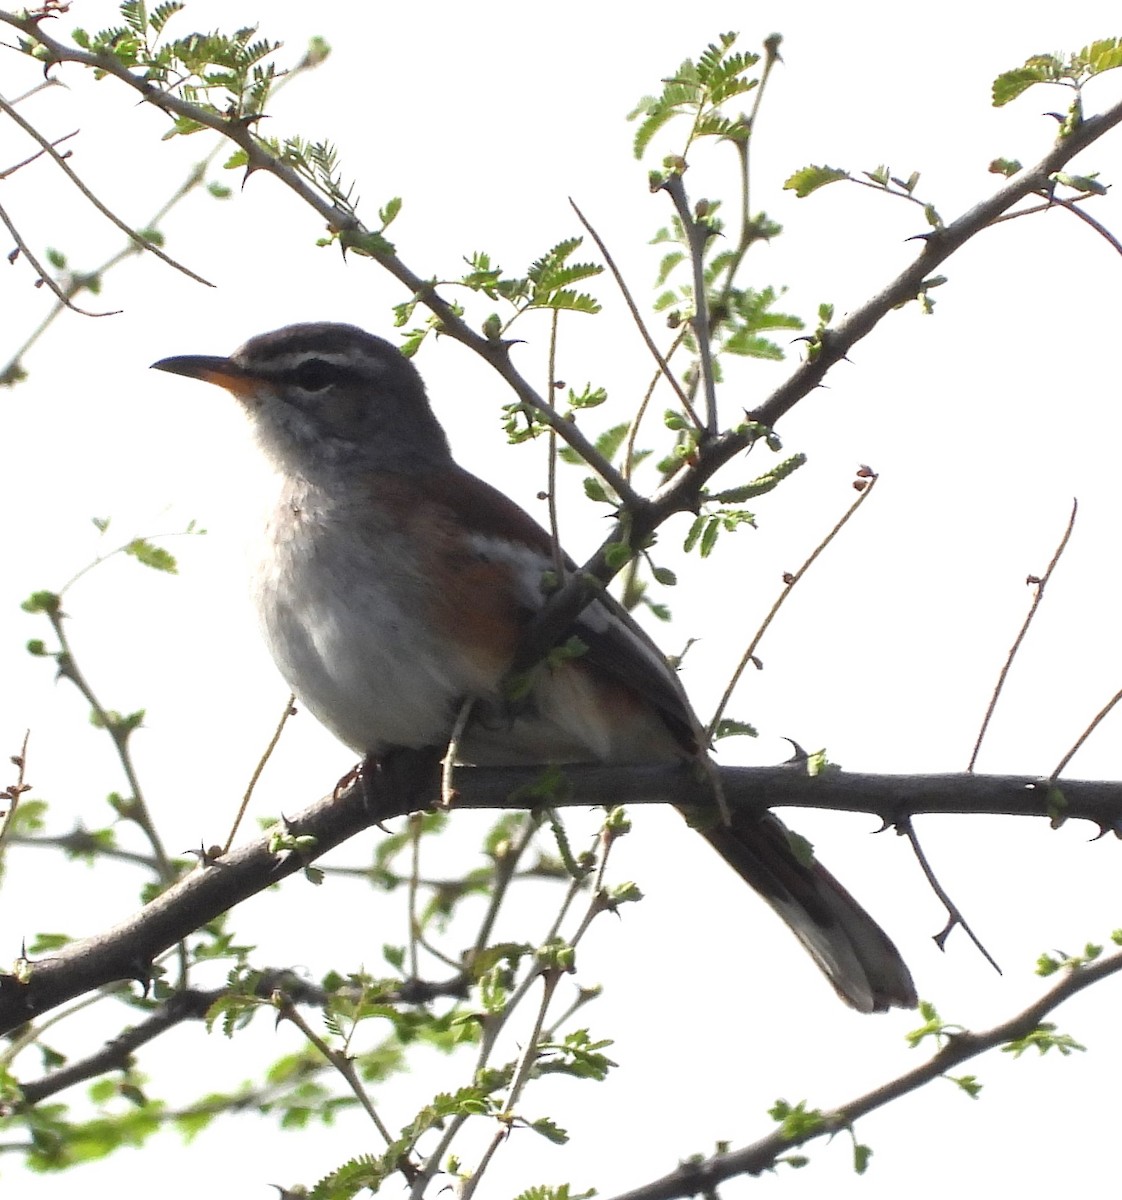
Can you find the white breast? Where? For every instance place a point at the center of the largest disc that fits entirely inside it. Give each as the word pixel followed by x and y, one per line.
pixel 346 627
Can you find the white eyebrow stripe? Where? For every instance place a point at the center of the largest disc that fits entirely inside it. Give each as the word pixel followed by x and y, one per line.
pixel 292 358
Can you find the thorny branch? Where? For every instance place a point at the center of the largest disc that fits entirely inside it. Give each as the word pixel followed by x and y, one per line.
pixel 702 1178
pixel 217 885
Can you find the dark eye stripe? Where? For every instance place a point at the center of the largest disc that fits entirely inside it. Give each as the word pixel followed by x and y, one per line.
pixel 315 374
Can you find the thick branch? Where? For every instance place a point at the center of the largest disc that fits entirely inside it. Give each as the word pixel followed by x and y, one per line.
pixel 126 951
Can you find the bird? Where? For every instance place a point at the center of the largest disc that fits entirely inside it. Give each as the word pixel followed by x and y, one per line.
pixel 392 588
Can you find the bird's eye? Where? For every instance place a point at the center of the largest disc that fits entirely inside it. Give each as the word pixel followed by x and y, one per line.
pixel 314 375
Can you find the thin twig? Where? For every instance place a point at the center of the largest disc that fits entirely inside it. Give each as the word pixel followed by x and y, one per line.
pixel 1097 226
pixel 44 274
pixel 551 450
pixel 1099 717
pixel 289 709
pixel 698 234
pixel 1072 206
pixel 107 213
pixel 743 144
pixel 640 324
pixel 342 1063
pixel 80 281
pixel 702 1178
pixel 416 824
pixel 38 154
pixel 954 913
pixel 137 807
pixel 493 1023
pixel 789 581
pixel 1038 595
pixel 526 1062
pixel 641 411
pixel 452 753
pixel 14 791
pixel 260 158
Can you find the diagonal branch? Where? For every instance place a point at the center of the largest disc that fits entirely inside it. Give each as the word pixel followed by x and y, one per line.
pixel 339 220
pixel 47 148
pixel 44 274
pixel 1038 595
pixel 702 1178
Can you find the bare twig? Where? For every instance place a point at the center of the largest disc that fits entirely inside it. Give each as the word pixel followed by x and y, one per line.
pixel 702 1178
pixel 954 913
pixel 119 734
pixel 351 229
pixel 14 792
pixel 44 274
pixel 789 582
pixel 79 281
pixel 1038 585
pixel 644 404
pixel 1086 217
pixel 551 451
pixel 1095 722
pixel 289 709
pixel 1071 205
pixel 8 171
pixel 108 214
pixel 742 141
pixel 640 324
pixel 452 753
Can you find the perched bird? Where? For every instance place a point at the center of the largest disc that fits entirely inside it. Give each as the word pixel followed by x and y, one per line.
pixel 392 586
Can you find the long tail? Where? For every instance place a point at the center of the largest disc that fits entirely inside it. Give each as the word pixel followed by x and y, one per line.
pixel 855 954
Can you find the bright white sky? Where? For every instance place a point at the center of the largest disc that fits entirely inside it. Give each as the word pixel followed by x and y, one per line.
pixel 984 421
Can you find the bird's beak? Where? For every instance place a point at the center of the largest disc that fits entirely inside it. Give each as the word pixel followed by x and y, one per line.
pixel 211 369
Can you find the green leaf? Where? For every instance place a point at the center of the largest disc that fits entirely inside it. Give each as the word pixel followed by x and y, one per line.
pixel 162 13
pixel 46 943
pixel 810 179
pixel 796 1121
pixel 727 727
pixel 1043 1038
pixel 1102 56
pixel 1009 85
pixel 153 556
pixel 1081 183
pixel 42 602
pixel 968 1083
pixel 549 1130
pixel 594 490
pixel 763 483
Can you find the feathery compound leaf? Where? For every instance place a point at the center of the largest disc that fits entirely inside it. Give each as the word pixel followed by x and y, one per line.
pixel 810 179
pixel 163 13
pixel 1009 85
pixel 1102 56
pixel 697 90
pixel 152 556
pixel 765 483
pixel 135 15
pixel 349 1179
pixel 568 300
